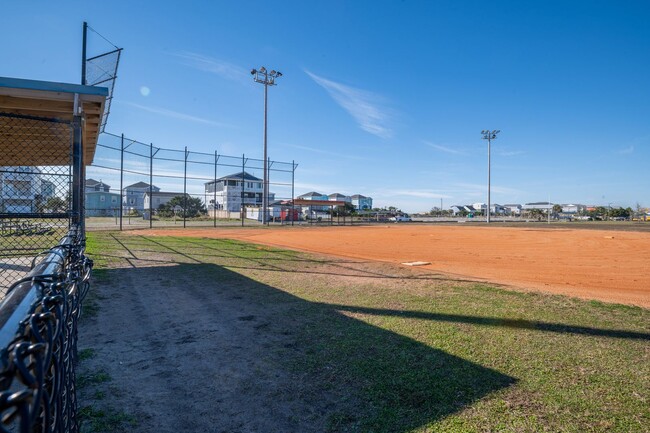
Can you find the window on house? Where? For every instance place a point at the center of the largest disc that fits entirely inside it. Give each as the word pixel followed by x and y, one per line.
pixel 102 198
pixel 113 199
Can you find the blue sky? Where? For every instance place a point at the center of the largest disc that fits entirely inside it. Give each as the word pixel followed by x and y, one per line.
pixel 381 98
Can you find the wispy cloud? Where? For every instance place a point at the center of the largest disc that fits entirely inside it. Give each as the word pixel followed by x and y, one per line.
pixel 444 148
pixel 365 107
pixel 219 67
pixel 177 115
pixel 628 150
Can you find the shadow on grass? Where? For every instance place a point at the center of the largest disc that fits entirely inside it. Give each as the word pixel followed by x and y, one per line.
pixel 348 375
pixel 495 321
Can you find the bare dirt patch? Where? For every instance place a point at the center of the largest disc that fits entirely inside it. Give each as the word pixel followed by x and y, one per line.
pixel 605 265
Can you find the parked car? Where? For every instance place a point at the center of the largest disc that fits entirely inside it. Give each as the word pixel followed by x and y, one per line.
pixel 400 218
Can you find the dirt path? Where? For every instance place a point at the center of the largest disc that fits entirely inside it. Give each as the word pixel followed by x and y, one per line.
pixel 195 356
pixel 611 266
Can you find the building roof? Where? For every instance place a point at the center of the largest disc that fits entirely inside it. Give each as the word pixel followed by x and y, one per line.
pixel 91 183
pixel 358 196
pixel 312 194
pixel 237 176
pixel 49 101
pixel 139 185
pixel 511 205
pixel 337 195
pixel 538 203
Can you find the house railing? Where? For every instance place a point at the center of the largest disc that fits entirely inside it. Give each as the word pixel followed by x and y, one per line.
pixel 38 340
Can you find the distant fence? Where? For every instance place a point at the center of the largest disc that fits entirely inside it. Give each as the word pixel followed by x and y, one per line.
pixel 141 185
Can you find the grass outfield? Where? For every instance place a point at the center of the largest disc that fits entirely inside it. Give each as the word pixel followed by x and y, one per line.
pixel 382 348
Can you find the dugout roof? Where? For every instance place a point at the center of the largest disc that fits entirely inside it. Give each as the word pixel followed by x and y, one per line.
pixel 48 100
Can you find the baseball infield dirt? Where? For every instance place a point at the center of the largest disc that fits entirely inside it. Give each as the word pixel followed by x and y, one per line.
pixel 611 266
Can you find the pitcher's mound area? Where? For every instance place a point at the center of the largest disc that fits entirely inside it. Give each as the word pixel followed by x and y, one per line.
pixel 591 264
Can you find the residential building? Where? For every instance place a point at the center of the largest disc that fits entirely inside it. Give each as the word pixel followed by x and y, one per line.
pixel 339 197
pixel 479 208
pixel 542 205
pixel 316 196
pixel 158 198
pixel 361 202
pixel 93 185
pixel 133 196
pixel 512 209
pixel 460 208
pixel 23 189
pixel 102 203
pixel 226 193
pixel 497 209
pixel 573 208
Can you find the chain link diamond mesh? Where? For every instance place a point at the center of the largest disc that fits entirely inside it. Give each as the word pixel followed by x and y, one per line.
pixel 35 199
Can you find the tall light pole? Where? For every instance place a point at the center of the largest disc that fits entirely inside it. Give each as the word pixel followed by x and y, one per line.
pixel 267 79
pixel 489 136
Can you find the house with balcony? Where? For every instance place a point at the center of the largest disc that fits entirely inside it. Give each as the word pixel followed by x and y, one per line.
pixel 133 196
pixel 361 202
pixel 230 192
pixel 23 189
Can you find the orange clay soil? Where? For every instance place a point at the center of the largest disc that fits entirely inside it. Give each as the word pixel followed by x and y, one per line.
pixel 611 266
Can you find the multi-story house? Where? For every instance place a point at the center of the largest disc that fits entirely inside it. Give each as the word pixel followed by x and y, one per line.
pixel 339 197
pixel 226 193
pixel 361 202
pixel 133 196
pixel 23 189
pixel 93 185
pixel 99 201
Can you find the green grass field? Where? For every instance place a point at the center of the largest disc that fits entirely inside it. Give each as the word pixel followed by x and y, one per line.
pixel 408 351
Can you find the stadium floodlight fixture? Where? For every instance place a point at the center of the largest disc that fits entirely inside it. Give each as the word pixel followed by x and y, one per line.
pixel 489 136
pixel 267 79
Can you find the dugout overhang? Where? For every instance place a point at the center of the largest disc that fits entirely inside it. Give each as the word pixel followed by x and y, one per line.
pixel 54 101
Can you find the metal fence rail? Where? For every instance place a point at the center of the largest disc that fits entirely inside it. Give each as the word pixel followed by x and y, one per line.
pixel 38 341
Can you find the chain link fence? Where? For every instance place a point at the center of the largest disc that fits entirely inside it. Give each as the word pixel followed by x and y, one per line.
pixel 35 201
pixel 132 185
pixel 44 274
